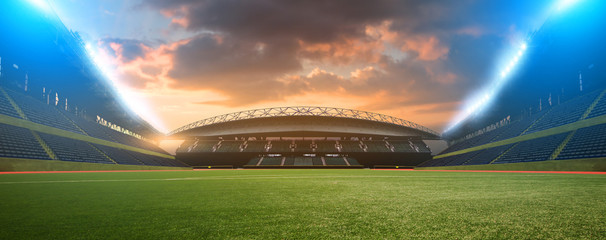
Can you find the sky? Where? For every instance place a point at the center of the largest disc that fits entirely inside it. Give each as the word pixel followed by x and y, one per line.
pixel 183 60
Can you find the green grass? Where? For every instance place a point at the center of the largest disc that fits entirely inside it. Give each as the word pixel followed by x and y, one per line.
pixel 587 164
pixel 302 204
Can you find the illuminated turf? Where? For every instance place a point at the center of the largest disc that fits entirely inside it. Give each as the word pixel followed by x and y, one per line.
pixel 287 204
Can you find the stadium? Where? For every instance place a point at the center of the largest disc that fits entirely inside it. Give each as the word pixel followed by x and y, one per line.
pixel 526 159
pixel 304 137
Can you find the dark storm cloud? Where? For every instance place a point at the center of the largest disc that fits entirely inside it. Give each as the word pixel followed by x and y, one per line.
pixel 245 71
pixel 313 21
pixel 207 58
pixel 326 21
pixel 251 51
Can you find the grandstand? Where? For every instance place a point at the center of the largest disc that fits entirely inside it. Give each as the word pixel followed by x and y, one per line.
pixel 57 109
pixel 303 137
pixel 572 130
pixel 34 130
pixel 549 113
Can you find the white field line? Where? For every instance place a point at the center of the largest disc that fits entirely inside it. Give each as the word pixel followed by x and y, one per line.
pixel 241 178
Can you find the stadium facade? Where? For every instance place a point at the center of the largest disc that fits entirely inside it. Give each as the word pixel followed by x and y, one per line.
pixel 303 137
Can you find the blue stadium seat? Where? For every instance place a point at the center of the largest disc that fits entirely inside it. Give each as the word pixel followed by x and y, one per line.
pixel 68 149
pixel 589 142
pixel 6 108
pixel 16 142
pixel 539 149
pixel 568 112
pixel 38 112
pixel 118 155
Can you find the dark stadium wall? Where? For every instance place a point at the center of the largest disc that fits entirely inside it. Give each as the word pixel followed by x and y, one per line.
pixel 237 160
pixel 366 159
pixel 436 146
pixel 19 165
pixel 390 159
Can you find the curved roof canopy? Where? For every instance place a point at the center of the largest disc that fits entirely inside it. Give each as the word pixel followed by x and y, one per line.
pixel 304 119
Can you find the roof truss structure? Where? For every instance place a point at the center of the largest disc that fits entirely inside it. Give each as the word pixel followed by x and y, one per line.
pixel 303 111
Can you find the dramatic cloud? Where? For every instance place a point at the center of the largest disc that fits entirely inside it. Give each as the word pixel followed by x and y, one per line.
pixel 414 58
pixel 126 49
pixel 137 64
pixel 274 37
pixel 271 19
pixel 208 58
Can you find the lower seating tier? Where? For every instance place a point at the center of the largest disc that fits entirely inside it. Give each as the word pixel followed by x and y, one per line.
pixel 539 149
pixel 16 142
pixel 589 142
pixel 68 149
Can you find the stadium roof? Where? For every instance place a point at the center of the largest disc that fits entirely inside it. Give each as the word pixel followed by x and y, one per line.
pixel 309 119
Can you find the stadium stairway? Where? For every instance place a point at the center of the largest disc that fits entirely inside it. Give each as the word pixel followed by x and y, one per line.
pixel 12 103
pixel 559 149
pixel 45 146
pixel 302 162
pixel 584 116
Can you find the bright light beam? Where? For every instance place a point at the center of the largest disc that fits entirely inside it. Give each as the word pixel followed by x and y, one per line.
pixel 564 4
pixel 41 4
pixel 478 104
pixel 106 68
pixel 135 103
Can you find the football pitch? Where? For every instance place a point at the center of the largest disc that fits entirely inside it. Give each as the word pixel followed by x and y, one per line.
pixel 302 204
